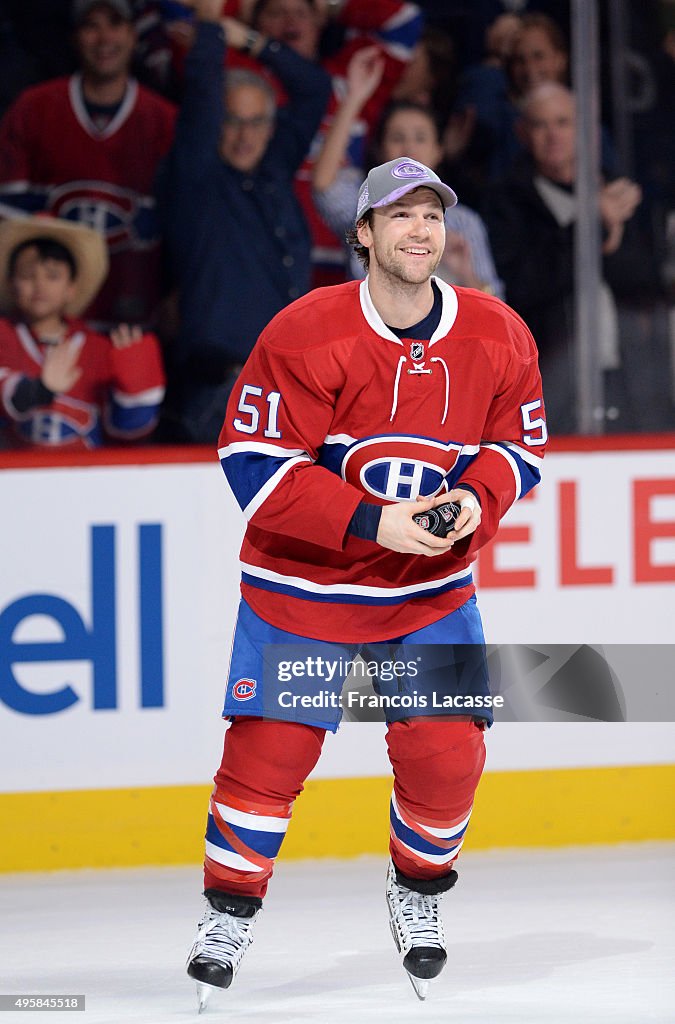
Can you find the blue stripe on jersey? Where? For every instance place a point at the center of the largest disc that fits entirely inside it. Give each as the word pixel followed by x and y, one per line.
pixel 460 467
pixel 267 844
pixel 340 598
pixel 128 419
pixel 248 472
pixel 529 475
pixel 330 456
pixel 31 200
pixel 411 838
pixel 406 33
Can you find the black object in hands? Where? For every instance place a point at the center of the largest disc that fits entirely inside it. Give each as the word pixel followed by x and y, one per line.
pixel 439 520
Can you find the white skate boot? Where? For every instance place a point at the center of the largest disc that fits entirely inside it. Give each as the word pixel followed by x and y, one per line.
pixel 223 936
pixel 416 924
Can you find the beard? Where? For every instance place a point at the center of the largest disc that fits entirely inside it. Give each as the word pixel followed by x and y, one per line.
pixel 399 269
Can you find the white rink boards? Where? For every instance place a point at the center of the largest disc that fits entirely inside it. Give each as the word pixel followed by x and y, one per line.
pixel 590 558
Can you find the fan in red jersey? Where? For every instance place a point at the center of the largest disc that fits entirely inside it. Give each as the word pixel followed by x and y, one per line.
pixel 86 148
pixel 63 385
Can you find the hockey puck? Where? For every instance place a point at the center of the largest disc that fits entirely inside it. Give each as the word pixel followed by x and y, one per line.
pixel 439 520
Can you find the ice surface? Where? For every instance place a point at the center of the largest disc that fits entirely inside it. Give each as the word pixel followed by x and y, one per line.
pixel 535 937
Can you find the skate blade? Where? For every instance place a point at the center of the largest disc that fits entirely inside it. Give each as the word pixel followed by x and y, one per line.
pixel 420 985
pixel 203 995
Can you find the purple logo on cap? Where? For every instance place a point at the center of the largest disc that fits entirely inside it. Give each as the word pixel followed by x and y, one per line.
pixel 363 200
pixel 408 169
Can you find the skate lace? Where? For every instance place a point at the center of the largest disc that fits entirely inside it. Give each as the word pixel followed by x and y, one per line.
pixel 419 915
pixel 224 938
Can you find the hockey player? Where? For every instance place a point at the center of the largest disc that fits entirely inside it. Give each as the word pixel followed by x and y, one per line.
pixel 61 384
pixel 361 406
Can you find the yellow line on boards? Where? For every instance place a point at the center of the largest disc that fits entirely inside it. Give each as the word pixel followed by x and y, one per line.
pixel 334 818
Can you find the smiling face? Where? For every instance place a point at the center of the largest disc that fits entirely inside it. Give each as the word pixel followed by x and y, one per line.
pixel 406 239
pixel 105 43
pixel 247 129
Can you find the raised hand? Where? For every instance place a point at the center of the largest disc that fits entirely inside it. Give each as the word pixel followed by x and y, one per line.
pixel 60 371
pixel 236 33
pixel 206 10
pixel 364 74
pixel 124 336
pixel 618 202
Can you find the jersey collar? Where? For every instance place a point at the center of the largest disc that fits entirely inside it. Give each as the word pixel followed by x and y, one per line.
pixel 30 344
pixel 375 321
pixel 80 110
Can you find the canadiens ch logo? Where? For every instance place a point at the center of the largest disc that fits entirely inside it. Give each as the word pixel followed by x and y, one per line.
pixel 398 468
pixel 244 689
pixel 409 169
pixel 127 219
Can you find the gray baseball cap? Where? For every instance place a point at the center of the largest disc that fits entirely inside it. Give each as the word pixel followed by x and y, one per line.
pixel 81 8
pixel 388 182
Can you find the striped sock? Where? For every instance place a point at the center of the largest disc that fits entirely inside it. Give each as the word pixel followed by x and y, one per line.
pixel 243 839
pixel 424 847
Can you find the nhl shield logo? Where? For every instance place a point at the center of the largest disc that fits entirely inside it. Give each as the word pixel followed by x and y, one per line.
pixel 417 350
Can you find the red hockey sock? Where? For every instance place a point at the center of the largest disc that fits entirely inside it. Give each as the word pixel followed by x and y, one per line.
pixel 437 764
pixel 264 766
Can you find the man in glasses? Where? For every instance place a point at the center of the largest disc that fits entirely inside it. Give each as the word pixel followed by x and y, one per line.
pixel 237 238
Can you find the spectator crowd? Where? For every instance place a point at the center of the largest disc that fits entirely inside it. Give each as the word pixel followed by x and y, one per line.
pixel 173 174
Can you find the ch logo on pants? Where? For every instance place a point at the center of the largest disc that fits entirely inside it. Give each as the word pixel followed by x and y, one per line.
pixel 244 689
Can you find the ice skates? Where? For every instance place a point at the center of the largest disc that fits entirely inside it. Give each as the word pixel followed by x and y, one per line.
pixel 416 924
pixel 223 936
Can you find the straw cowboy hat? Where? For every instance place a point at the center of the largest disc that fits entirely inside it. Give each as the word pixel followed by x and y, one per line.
pixel 87 247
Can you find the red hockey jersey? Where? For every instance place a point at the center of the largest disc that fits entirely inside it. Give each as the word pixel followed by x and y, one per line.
pixel 332 408
pixel 54 158
pixel 118 394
